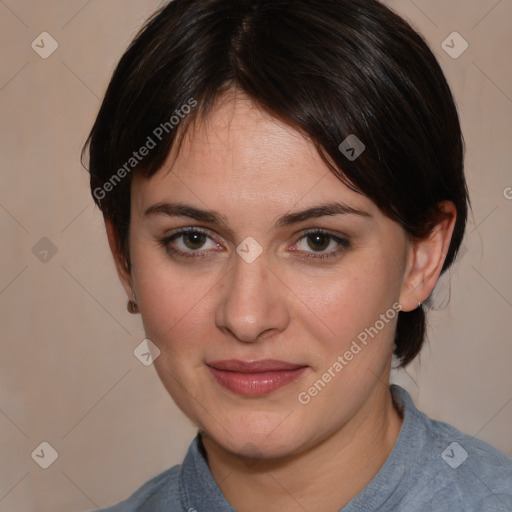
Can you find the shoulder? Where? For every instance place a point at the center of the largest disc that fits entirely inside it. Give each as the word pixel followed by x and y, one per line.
pixel 160 494
pixel 475 472
pixel 460 470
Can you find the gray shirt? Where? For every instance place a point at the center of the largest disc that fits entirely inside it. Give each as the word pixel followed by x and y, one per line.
pixel 432 467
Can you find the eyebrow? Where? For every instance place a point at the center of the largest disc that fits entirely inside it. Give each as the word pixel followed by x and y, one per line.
pixel 213 217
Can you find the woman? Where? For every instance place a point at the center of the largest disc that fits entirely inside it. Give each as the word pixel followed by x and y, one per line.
pixel 282 186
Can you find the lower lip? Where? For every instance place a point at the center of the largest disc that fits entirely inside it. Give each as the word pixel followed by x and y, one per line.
pixel 255 384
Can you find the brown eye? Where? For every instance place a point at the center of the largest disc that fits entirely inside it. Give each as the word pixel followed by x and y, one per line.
pixel 319 241
pixel 191 243
pixel 321 245
pixel 194 240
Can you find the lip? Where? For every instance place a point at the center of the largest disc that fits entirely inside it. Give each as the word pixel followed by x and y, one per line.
pixel 255 378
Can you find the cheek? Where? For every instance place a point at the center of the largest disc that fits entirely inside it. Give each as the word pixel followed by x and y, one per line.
pixel 173 303
pixel 357 309
pixel 358 320
pixel 353 297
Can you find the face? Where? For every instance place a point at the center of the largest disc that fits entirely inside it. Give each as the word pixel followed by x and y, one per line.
pixel 270 288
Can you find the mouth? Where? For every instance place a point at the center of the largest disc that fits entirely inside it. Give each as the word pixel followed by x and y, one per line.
pixel 255 378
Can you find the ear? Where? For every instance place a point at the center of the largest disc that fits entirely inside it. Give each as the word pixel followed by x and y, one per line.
pixel 426 258
pixel 121 265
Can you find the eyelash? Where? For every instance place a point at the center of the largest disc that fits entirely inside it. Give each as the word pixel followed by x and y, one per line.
pixel 166 243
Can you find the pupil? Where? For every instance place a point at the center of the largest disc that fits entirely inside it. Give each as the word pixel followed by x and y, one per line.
pixel 319 242
pixel 195 240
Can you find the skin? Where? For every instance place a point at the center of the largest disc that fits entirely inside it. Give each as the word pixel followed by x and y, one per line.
pixel 272 452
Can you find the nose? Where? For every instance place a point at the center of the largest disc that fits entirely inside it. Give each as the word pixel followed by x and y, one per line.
pixel 252 306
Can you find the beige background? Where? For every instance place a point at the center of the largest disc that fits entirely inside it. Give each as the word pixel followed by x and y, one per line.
pixel 68 375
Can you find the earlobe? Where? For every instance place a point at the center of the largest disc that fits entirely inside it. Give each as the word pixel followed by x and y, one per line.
pixel 119 259
pixel 426 260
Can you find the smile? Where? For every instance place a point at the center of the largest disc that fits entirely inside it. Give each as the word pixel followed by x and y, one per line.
pixel 256 378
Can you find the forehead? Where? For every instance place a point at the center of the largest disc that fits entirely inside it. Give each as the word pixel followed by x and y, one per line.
pixel 238 136
pixel 239 152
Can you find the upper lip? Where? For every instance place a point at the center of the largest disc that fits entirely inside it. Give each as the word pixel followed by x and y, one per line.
pixel 261 366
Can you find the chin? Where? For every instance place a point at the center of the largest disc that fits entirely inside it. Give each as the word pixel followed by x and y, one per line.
pixel 257 439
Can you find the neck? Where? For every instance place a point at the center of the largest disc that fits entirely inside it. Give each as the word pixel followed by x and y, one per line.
pixel 323 478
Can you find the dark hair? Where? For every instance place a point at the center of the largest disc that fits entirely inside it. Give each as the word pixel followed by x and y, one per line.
pixel 329 68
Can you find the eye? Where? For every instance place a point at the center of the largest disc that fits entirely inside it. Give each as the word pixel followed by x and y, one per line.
pixel 321 244
pixel 199 243
pixel 190 242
